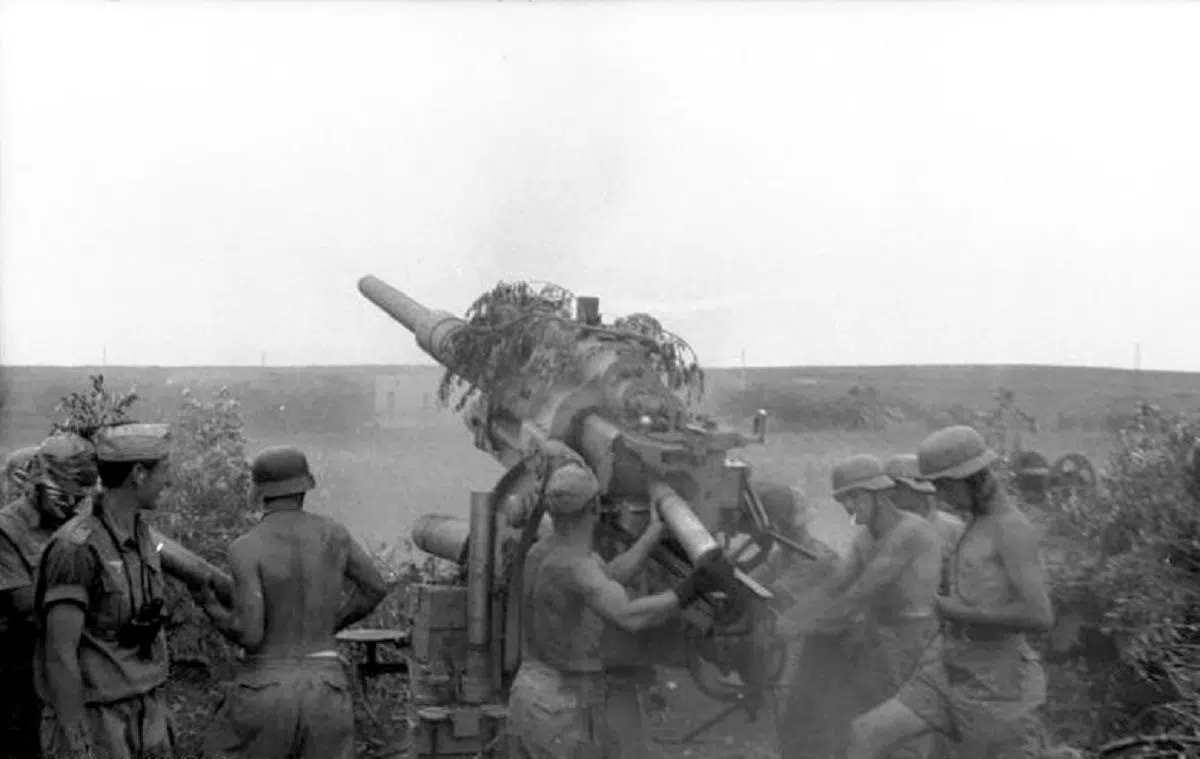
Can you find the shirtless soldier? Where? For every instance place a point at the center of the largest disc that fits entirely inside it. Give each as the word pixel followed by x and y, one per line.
pixel 101 658
pixel 987 682
pixel 59 476
pixel 557 705
pixel 919 496
pixel 292 697
pixel 891 577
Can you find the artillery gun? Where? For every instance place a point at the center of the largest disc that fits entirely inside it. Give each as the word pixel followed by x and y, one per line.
pixel 608 399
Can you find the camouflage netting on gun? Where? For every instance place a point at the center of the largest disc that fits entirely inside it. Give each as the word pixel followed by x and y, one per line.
pixel 524 333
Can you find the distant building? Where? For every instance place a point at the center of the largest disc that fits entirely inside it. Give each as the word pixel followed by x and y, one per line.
pixel 405 400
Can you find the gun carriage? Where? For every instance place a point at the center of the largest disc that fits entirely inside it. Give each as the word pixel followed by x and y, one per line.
pixel 611 395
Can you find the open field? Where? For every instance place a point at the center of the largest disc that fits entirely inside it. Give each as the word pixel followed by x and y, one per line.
pixel 378 480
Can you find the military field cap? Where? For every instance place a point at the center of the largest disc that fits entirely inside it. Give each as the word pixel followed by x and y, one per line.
pixel 279 471
pixel 861 472
pixel 569 489
pixel 906 469
pixel 953 453
pixel 68 460
pixel 133 442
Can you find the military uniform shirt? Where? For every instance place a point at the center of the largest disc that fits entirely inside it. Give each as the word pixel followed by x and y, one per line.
pixel 90 563
pixel 21 542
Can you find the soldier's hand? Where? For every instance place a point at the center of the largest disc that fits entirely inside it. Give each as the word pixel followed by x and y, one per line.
pixel 656 520
pixel 209 601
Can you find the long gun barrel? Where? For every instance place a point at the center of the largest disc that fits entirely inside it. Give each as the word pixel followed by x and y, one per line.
pixel 431 328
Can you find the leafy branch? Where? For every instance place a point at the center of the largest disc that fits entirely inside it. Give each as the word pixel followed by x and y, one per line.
pixel 85 413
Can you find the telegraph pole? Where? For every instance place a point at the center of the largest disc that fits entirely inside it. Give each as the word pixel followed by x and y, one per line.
pixel 1137 369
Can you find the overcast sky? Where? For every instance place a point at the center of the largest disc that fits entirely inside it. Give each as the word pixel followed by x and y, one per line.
pixel 190 183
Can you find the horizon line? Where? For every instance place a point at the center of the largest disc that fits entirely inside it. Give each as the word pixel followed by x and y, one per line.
pixel 728 367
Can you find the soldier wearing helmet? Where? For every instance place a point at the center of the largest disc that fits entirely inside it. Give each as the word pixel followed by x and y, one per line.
pixel 101 660
pixel 881 595
pixel 984 688
pixel 559 707
pixel 54 478
pixel 291 696
pixel 920 497
pixel 1032 472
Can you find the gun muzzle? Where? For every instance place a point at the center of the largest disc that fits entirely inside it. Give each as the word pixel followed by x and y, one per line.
pixel 431 328
pixel 684 525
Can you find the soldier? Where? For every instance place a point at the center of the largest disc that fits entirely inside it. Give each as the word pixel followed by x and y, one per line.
pixel 292 697
pixel 920 497
pixel 16 472
pixel 889 580
pixel 986 683
pixel 60 474
pixel 102 656
pixel 1033 477
pixel 557 704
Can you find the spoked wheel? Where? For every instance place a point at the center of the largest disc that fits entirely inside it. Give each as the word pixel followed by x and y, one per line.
pixel 730 667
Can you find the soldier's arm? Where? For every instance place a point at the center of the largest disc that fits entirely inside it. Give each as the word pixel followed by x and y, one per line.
pixel 847 568
pixel 893 556
pixel 369 588
pixel 625 567
pixel 608 598
pixel 243 622
pixel 69 571
pixel 1030 609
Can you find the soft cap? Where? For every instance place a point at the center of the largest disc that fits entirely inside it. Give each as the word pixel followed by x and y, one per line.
pixel 569 489
pixel 67 461
pixel 133 442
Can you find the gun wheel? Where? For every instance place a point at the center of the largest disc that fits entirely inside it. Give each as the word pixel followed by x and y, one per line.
pixel 1073 478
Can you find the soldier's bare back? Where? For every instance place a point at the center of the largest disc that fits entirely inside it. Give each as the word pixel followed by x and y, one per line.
pixel 303 561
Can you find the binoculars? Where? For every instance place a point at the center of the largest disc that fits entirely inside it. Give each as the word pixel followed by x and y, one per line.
pixel 141 631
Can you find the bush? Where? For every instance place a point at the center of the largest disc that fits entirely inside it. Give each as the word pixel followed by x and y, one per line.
pixel 205 509
pixel 1141 575
pixel 795 408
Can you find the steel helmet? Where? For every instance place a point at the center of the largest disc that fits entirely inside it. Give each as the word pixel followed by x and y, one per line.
pixel 1032 464
pixel 786 505
pixel 953 453
pixel 905 468
pixel 280 471
pixel 861 472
